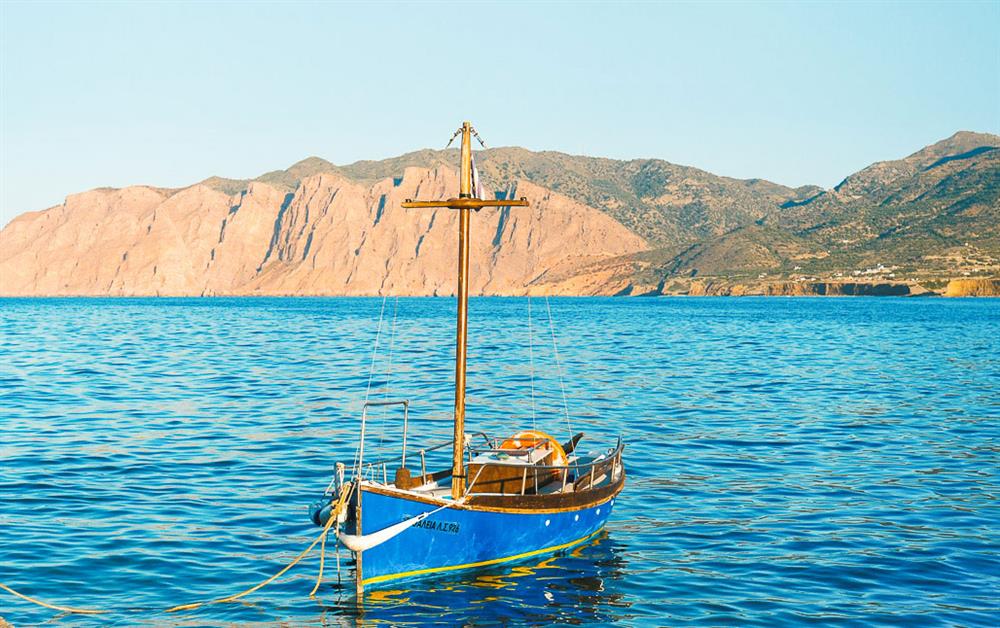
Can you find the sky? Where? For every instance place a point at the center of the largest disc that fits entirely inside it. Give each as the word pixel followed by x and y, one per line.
pixel 170 93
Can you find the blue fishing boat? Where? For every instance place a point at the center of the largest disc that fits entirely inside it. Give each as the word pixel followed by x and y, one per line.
pixel 502 498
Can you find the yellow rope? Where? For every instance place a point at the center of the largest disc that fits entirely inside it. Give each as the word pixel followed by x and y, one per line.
pixel 322 559
pixel 334 515
pixel 65 609
pixel 230 598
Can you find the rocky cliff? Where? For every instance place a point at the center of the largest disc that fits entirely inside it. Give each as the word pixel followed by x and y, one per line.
pixel 331 236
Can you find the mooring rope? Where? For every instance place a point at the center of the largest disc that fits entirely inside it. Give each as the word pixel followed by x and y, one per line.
pixel 65 609
pixel 230 598
pixel 334 515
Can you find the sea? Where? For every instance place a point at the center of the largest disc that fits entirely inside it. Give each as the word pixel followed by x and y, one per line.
pixel 789 461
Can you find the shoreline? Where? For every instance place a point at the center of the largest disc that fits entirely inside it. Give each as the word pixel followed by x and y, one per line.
pixel 956 288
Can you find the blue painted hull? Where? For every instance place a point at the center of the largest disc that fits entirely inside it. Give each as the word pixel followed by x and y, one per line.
pixel 463 539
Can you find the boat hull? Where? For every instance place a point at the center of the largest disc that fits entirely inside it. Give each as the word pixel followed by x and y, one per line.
pixel 467 537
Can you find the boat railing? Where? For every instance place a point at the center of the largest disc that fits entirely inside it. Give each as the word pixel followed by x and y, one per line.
pixel 359 470
pixel 585 475
pixel 518 453
pixel 383 464
pixel 371 469
pixel 614 453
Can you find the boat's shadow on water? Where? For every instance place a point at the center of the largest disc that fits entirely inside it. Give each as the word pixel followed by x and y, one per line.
pixel 577 586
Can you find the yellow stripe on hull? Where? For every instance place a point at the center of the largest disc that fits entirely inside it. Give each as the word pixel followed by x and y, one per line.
pixel 483 563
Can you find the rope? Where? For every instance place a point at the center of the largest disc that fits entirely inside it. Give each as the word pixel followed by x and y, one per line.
pixel 371 373
pixel 388 375
pixel 476 135
pixel 65 609
pixel 378 334
pixel 531 362
pixel 338 563
pixel 322 559
pixel 230 598
pixel 555 351
pixel 453 138
pixel 334 515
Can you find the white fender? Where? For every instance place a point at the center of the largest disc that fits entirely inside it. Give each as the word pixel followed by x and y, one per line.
pixel 360 543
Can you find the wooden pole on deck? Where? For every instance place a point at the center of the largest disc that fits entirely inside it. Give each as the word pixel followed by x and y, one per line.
pixel 465 203
pixel 462 331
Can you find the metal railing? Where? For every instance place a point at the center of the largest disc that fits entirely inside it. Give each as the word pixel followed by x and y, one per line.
pixel 585 475
pixel 359 471
pixel 384 463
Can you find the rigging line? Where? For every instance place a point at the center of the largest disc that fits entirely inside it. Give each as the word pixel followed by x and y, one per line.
pixel 476 135
pixel 531 362
pixel 555 351
pixel 371 372
pixel 453 138
pixel 388 373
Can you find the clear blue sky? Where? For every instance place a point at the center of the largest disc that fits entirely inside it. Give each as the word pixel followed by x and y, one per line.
pixel 170 93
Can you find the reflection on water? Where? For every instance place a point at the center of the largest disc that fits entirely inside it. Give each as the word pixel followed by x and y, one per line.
pixel 579 586
pixel 789 460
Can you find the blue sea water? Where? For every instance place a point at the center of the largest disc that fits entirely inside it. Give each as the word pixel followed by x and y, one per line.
pixel 790 461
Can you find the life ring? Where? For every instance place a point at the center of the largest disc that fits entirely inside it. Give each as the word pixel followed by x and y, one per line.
pixel 529 438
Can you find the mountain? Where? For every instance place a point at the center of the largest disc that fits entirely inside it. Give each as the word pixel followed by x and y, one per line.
pixel 944 196
pixel 664 203
pixel 596 226
pixel 330 236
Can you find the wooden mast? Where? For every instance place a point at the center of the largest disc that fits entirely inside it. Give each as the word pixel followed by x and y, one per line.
pixel 462 331
pixel 464 204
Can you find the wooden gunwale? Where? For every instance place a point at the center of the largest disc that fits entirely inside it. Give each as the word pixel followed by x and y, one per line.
pixel 518 504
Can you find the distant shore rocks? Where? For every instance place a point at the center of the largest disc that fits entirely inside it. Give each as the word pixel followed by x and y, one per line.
pixel 803 288
pixel 849 289
pixel 973 288
pixel 726 288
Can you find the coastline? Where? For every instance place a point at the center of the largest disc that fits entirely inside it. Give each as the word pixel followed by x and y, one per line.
pixel 708 287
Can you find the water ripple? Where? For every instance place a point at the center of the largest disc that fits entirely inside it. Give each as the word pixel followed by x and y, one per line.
pixel 790 460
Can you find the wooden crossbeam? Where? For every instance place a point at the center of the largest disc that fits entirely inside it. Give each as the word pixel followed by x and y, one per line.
pixel 464 203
